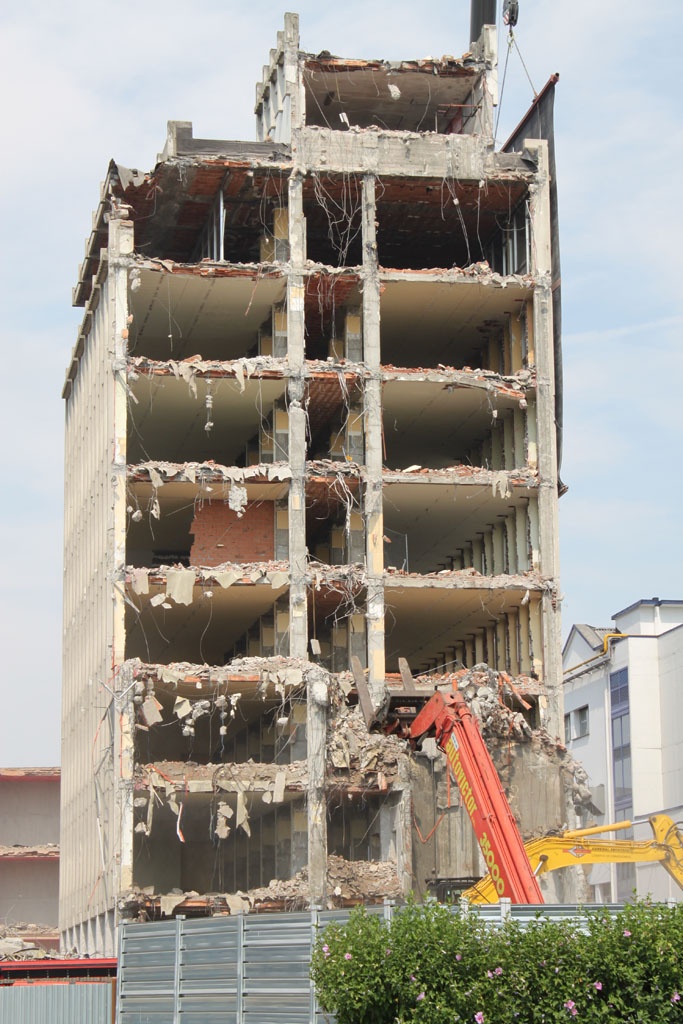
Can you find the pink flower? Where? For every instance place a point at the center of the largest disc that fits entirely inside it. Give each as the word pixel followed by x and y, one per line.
pixel 412 977
pixel 326 950
pixel 458 956
pixel 676 998
pixel 347 956
pixel 388 952
pixel 627 934
pixel 479 1017
pixel 421 996
pixel 498 970
pixel 571 1006
pixel 597 985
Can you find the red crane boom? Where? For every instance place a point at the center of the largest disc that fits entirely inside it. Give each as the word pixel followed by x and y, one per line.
pixel 457 734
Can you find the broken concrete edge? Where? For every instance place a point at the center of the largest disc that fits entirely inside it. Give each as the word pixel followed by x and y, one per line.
pixel 41 851
pixel 268 367
pixel 181 580
pixel 19 774
pixel 159 473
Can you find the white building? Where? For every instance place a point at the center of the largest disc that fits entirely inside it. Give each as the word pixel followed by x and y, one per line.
pixel 623 699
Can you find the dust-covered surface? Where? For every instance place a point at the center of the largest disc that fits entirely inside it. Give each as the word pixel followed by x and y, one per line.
pixel 348 883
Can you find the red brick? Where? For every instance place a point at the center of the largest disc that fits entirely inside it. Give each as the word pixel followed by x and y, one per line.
pixel 220 536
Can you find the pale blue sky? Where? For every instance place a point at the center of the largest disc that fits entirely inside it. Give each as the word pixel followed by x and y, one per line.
pixel 84 82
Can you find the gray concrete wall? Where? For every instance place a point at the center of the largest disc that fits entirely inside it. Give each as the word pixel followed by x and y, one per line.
pixel 29 811
pixel 29 891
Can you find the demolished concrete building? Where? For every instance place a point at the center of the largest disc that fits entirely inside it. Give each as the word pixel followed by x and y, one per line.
pixel 310 417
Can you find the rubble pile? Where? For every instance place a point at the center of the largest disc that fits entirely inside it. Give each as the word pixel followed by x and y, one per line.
pixel 366 880
pixel 348 883
pixel 22 940
pixel 362 881
pixel 488 694
pixel 351 747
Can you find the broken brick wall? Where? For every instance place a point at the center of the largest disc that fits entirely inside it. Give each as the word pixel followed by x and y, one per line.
pixel 220 535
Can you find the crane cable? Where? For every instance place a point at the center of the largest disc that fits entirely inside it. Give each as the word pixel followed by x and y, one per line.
pixel 510 17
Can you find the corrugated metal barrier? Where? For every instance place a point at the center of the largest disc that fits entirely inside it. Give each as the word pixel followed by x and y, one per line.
pixel 247 969
pixel 45 1003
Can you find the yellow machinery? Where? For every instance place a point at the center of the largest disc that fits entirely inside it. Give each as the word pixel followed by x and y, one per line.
pixel 579 847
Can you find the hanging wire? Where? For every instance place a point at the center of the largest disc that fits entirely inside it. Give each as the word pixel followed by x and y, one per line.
pixel 514 40
pixel 502 88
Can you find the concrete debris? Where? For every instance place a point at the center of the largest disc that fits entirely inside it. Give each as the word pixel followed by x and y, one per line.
pixel 509 479
pixel 180 585
pixel 242 816
pixel 17 949
pixel 194 367
pixel 223 814
pixel 348 883
pixel 359 756
pixel 207 472
pixel 499 703
pixel 175 777
pixel 139 579
pixel 180 582
pixel 466 377
pixel 328 467
pixel 237 499
pixel 40 851
pixel 150 711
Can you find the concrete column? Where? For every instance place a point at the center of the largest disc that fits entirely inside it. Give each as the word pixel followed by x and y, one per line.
pixel 536 630
pixel 489 565
pixel 298 623
pixel 531 436
pixel 511 542
pixel 120 837
pixel 522 537
pixel 478 554
pixel 497 457
pixel 509 441
pixel 519 438
pixel 404 832
pixel 491 646
pixel 513 641
pixel 316 727
pixel 534 540
pixel 516 354
pixel 374 520
pixel 499 549
pixel 524 640
pixel 502 662
pixel 293 86
pixel 479 655
pixel 549 560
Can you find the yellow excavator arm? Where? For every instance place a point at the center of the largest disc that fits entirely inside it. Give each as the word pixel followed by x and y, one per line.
pixel 579 847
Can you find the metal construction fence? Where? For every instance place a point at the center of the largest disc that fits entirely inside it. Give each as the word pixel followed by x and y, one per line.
pixel 58 1003
pixel 248 969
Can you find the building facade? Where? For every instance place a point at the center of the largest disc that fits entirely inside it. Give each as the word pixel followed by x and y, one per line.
pixel 310 418
pixel 29 854
pixel 623 705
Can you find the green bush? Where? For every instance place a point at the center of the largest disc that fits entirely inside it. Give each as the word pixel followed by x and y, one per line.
pixel 432 965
